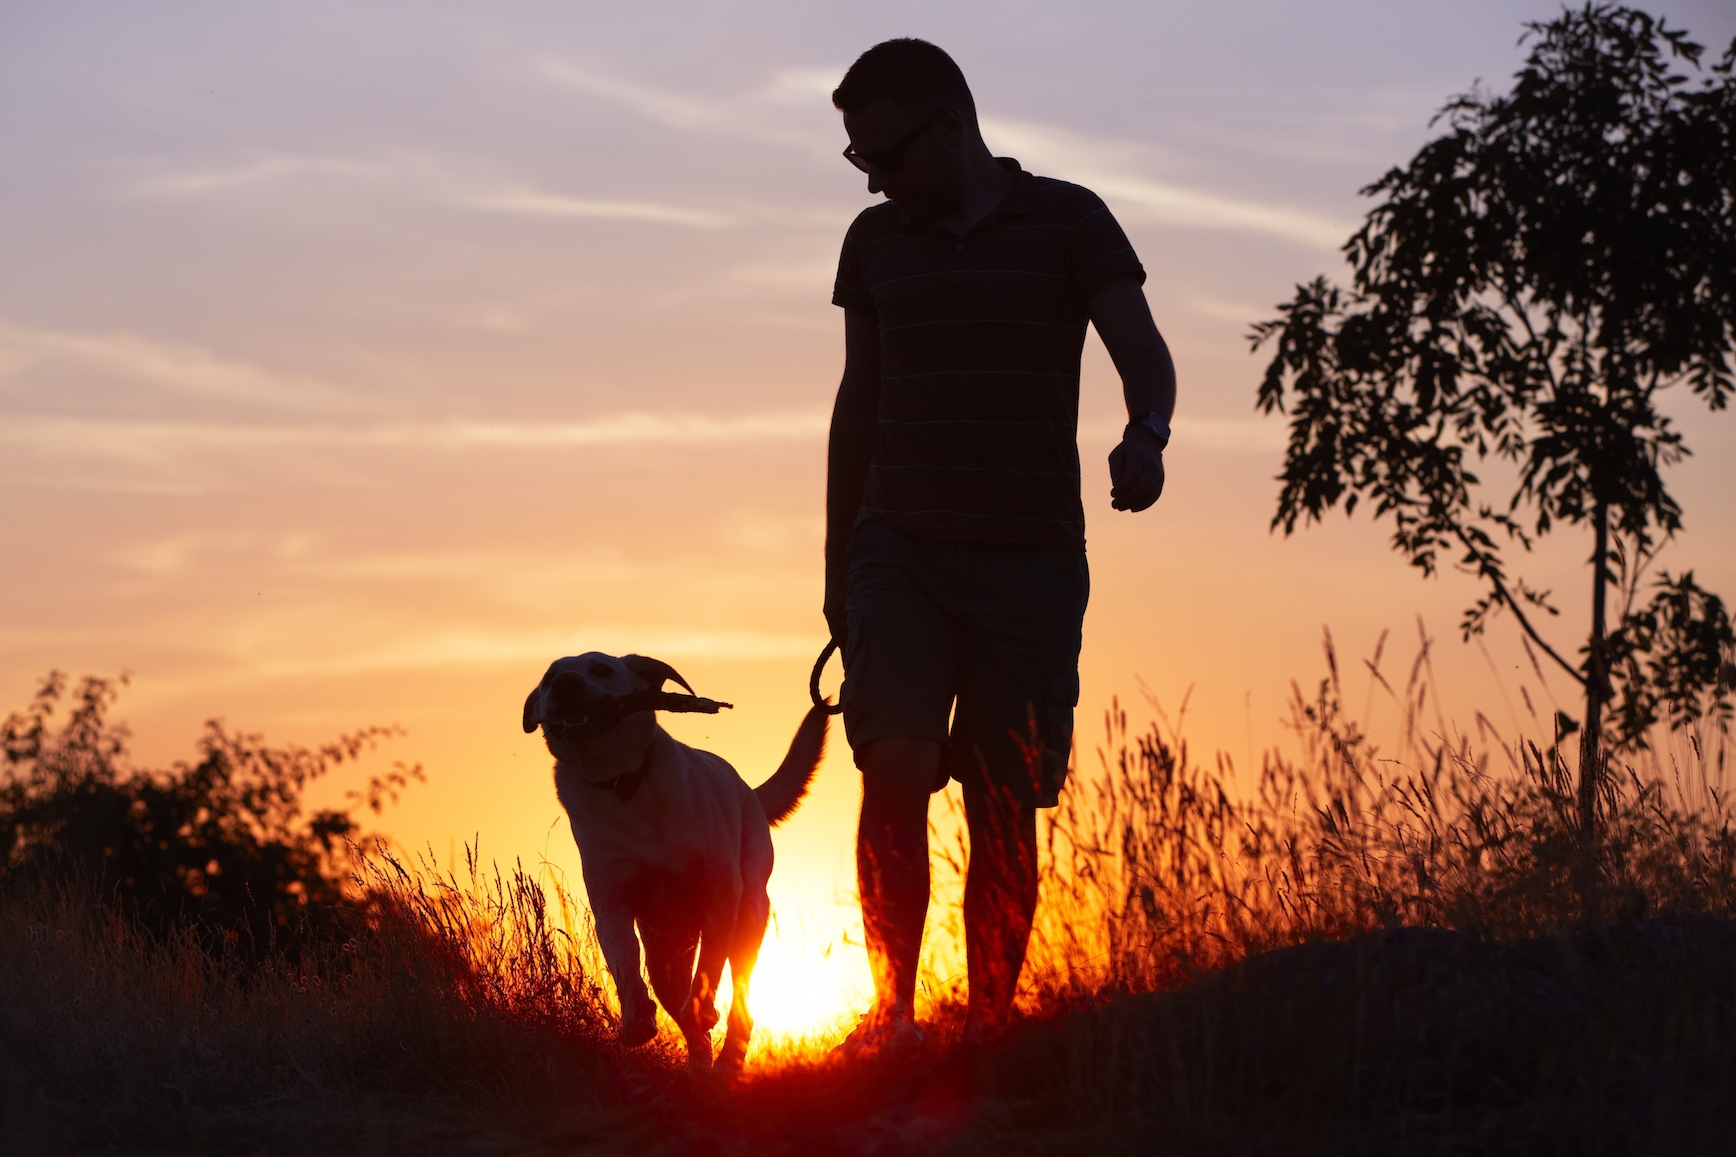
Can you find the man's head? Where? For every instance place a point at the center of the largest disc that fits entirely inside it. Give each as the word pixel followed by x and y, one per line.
pixel 912 124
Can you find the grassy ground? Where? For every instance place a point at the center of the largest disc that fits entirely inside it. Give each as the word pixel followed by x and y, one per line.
pixel 1357 952
pixel 1407 1040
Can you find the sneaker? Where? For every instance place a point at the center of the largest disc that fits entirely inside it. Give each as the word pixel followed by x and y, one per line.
pixel 881 1033
pixel 980 1032
pixel 979 1035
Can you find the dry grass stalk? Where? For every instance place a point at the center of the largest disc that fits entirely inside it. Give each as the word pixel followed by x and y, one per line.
pixel 474 1005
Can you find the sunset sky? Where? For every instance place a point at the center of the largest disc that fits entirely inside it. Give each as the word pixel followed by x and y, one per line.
pixel 358 360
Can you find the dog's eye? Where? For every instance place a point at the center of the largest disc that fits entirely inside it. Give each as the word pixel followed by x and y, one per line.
pixel 602 670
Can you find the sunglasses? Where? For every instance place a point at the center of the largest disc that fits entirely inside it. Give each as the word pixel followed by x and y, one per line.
pixel 887 159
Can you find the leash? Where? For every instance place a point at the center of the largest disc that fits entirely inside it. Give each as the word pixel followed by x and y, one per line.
pixel 814 681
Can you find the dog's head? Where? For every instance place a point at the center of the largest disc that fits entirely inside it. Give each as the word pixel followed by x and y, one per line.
pixel 585 694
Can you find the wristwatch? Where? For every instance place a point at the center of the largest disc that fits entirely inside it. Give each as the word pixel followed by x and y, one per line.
pixel 1151 424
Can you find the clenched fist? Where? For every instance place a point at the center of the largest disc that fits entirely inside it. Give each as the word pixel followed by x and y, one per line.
pixel 1135 471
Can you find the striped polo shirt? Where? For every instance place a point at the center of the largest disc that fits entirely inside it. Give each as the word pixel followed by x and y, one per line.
pixel 980 341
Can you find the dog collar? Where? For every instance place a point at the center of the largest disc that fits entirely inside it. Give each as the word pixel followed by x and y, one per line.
pixel 626 785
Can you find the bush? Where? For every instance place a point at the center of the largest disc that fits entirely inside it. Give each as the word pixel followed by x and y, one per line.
pixel 406 1037
pixel 219 843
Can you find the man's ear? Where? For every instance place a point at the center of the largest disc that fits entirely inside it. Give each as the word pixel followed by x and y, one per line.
pixel 952 125
pixel 653 671
pixel 532 716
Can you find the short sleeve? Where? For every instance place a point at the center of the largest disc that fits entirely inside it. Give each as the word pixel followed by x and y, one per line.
pixel 848 292
pixel 1099 252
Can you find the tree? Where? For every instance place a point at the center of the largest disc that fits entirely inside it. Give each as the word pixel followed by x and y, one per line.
pixel 221 841
pixel 1526 288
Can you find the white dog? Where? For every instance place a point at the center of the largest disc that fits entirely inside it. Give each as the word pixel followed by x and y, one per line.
pixel 670 838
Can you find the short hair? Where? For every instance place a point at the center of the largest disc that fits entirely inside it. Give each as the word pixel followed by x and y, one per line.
pixel 906 71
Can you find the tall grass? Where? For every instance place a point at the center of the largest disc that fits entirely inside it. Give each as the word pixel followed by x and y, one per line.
pixel 1356 950
pixel 449 1011
pixel 1157 869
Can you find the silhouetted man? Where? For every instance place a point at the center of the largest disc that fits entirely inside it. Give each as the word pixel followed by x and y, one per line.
pixel 955 537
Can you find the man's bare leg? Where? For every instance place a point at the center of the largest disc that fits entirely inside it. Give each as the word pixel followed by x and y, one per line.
pixel 892 860
pixel 1000 896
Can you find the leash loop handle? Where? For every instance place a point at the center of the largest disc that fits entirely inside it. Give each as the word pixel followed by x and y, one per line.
pixel 814 681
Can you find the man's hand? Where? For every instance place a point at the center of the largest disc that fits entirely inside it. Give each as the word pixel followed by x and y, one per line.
pixel 1135 472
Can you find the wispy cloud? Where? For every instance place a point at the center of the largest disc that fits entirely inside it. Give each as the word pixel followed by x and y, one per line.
pixel 534 203
pixel 146 442
pixel 1238 313
pixel 790 109
pixel 260 170
pixel 1229 435
pixel 155 441
pixel 173 367
pixel 1110 168
pixel 662 106
pixel 545 573
pixel 472 648
pixel 147 487
pixel 813 276
pixel 458 182
pixel 1103 167
pixel 804 86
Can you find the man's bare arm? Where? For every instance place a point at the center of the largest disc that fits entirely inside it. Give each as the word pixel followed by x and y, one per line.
pixel 1123 321
pixel 848 451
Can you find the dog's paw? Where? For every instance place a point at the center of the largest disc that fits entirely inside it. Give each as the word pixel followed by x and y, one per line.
pixel 732 1058
pixel 637 1030
pixel 699 1054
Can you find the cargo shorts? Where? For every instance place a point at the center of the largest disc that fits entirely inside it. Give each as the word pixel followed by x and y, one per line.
pixel 972 645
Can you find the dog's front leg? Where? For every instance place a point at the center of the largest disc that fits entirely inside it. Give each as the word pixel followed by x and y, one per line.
pixel 716 936
pixel 620 944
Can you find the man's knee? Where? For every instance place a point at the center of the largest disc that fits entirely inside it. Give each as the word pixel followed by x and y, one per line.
pixel 996 806
pixel 898 766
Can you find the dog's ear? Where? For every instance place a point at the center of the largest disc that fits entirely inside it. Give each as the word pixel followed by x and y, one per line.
pixel 654 671
pixel 532 716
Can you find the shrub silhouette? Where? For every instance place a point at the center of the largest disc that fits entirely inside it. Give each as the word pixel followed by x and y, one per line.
pixel 221 842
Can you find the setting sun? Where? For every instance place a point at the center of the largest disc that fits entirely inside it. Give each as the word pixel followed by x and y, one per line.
pixel 806 987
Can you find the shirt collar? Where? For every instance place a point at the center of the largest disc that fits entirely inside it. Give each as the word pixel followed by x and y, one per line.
pixel 1021 198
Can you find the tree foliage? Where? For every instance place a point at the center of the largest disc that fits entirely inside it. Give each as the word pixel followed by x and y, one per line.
pixel 221 840
pixel 1527 287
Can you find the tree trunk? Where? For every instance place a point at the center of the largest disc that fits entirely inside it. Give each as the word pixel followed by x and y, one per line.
pixel 1596 682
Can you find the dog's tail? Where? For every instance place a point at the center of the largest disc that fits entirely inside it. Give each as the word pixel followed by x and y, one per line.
pixel 782 794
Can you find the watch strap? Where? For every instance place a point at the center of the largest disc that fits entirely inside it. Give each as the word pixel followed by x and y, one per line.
pixel 1151 424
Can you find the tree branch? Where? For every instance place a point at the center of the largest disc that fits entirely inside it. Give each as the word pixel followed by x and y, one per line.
pixel 1531 333
pixel 1506 596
